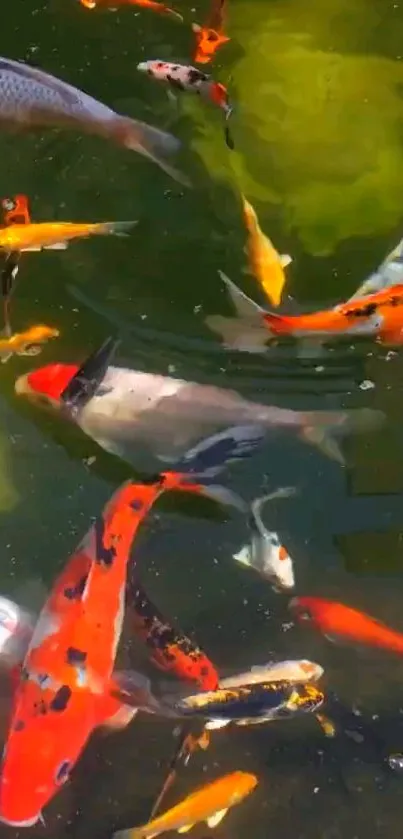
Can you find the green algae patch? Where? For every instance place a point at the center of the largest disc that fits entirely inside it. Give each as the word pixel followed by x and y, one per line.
pixel 318 132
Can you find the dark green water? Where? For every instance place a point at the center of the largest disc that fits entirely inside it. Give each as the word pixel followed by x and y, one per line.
pixel 318 129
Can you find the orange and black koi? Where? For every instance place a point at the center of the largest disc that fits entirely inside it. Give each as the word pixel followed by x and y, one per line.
pixel 14 211
pixel 67 687
pixel 210 37
pixel 171 650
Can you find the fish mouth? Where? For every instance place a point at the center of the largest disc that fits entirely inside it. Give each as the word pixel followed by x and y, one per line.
pixel 24 823
pixel 21 386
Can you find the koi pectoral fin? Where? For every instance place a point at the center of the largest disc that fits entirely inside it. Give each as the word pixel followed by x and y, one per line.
pixel 325 442
pixel 214 820
pixel 244 556
pixel 236 334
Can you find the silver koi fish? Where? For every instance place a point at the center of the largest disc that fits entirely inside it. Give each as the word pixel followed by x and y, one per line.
pixel 30 98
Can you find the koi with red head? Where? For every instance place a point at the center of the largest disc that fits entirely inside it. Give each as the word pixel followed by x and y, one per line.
pixel 171 650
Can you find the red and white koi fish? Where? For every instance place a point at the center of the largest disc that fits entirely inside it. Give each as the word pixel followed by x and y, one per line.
pixel 265 553
pixel 181 77
pixel 118 407
pixel 66 685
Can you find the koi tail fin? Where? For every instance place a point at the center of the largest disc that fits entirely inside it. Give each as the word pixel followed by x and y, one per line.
pixel 115 228
pixel 322 427
pixel 246 331
pixel 150 142
pixel 83 385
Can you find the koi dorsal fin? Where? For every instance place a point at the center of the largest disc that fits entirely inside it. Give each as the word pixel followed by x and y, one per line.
pixel 83 385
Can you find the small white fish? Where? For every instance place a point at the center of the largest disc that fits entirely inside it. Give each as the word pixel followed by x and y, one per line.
pixel 300 670
pixel 265 553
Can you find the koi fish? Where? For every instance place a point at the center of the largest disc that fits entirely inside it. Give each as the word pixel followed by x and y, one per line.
pixel 118 407
pixel 210 37
pixel 153 5
pixel 30 98
pixel 389 273
pixel 339 622
pixel 15 211
pixel 171 650
pixel 181 77
pixel 278 671
pixel 54 235
pixel 67 687
pixel 210 803
pixel 265 263
pixel 265 554
pixel 251 704
pixel 28 342
pixel 379 315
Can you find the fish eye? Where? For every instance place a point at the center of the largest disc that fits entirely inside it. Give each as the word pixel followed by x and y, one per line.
pixel 40 399
pixel 62 772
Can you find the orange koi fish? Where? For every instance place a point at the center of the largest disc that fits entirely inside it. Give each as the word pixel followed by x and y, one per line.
pixel 379 314
pixel 153 5
pixel 265 263
pixel 171 650
pixel 15 211
pixel 27 342
pixel 67 687
pixel 339 622
pixel 210 803
pixel 210 37
pixel 54 235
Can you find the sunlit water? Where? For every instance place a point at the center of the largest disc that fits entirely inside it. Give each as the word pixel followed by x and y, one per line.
pixel 318 130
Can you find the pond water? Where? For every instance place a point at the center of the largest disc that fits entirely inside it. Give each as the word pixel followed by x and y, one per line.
pixel 318 129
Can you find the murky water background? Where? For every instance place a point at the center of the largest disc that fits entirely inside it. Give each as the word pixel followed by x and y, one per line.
pixel 318 130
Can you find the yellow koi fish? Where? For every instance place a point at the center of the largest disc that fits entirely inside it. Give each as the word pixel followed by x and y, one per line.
pixel 210 803
pixel 265 263
pixel 26 343
pixel 54 235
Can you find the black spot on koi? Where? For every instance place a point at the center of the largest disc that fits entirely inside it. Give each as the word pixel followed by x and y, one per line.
pixel 105 556
pixel 61 699
pixel 195 76
pixel 75 656
pixel 75 592
pixel 137 505
pixel 175 83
